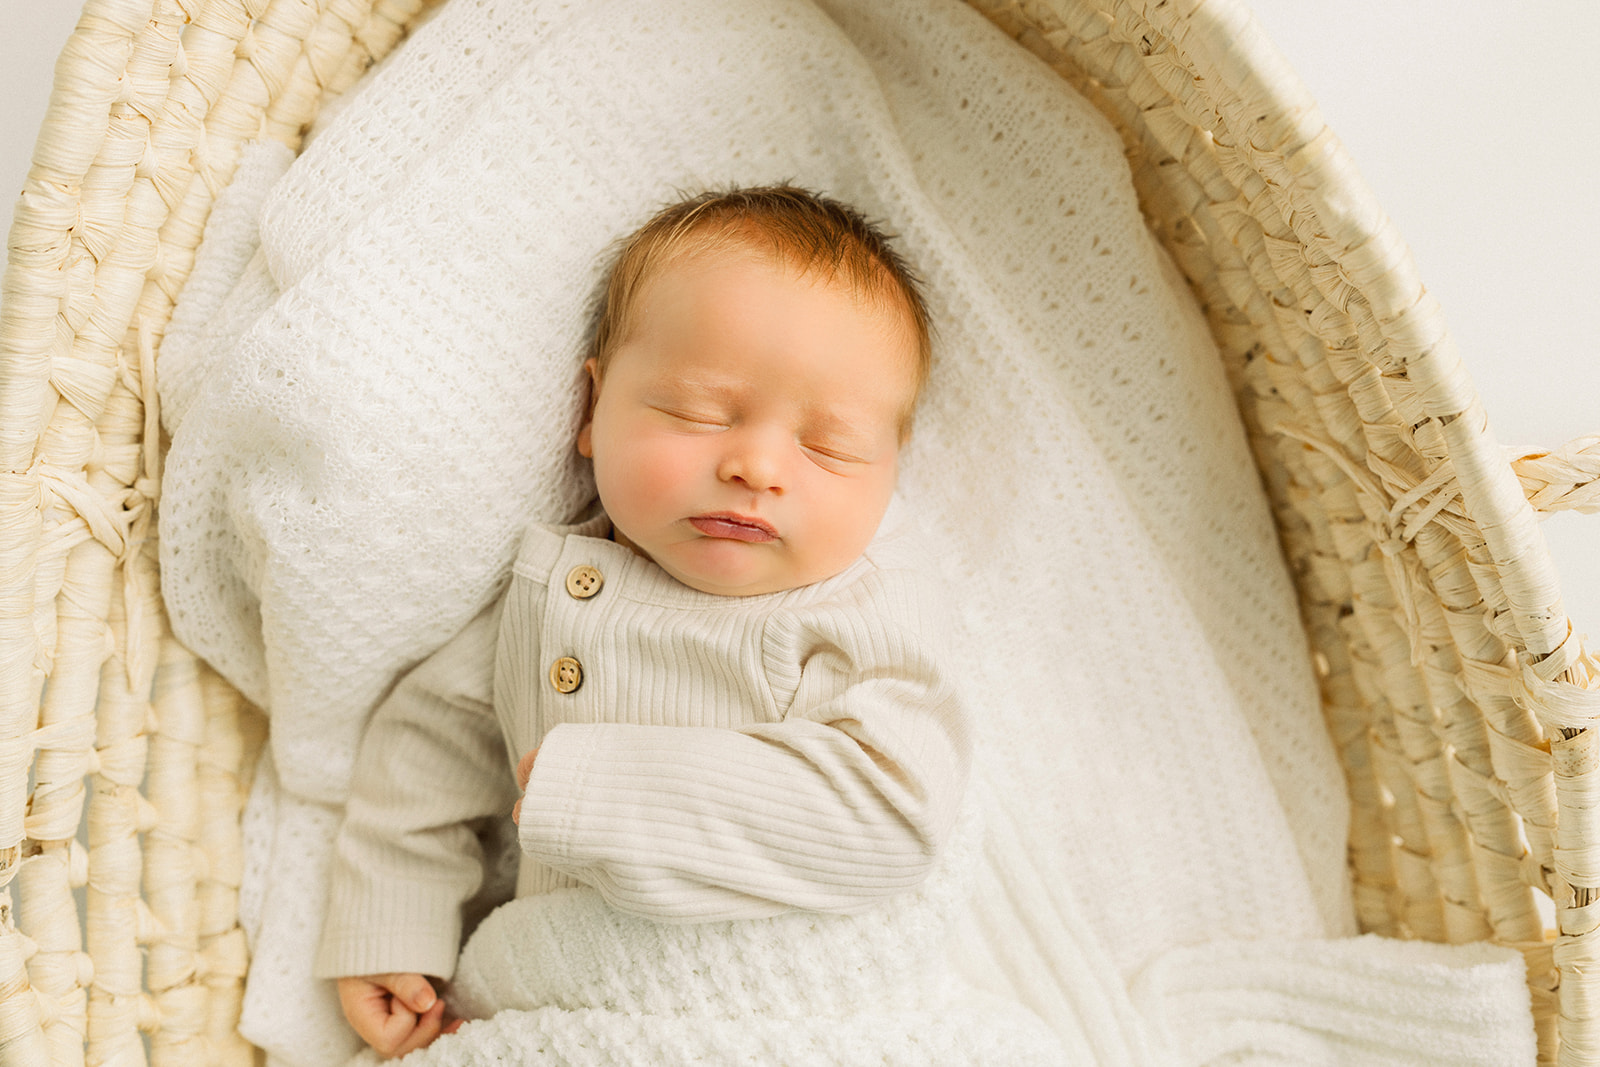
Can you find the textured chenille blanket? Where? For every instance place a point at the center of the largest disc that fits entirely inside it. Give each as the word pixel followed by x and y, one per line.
pixel 372 384
pixel 562 978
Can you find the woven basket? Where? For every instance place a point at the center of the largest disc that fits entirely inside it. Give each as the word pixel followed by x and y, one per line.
pixel 1456 693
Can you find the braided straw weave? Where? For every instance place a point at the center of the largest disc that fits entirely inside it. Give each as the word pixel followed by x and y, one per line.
pixel 1455 691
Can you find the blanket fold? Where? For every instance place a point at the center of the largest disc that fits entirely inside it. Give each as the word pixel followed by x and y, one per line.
pixel 1371 1001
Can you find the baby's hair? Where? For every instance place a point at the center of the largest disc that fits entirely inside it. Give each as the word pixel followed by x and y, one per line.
pixel 804 230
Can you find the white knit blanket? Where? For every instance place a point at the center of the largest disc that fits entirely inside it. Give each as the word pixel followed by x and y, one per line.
pixel 370 394
pixel 563 978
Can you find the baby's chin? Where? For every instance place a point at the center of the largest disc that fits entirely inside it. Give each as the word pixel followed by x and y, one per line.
pixel 732 568
pixel 735 582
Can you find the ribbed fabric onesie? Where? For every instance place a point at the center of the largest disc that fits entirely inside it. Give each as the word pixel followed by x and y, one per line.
pixel 719 758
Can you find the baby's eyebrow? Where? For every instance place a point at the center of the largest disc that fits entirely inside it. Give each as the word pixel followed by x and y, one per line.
pixel 698 387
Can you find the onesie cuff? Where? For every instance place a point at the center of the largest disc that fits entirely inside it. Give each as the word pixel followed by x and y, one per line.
pixel 418 951
pixel 550 804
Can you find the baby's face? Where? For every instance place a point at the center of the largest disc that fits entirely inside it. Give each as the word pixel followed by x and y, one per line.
pixel 745 435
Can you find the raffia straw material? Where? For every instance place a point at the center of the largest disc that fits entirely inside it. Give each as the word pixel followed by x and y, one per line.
pixel 1458 697
pixel 150 106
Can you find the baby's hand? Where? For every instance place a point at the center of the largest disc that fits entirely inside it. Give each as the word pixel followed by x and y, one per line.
pixel 394 1013
pixel 524 769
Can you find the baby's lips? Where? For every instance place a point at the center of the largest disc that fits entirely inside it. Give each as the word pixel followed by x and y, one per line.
pixel 735 528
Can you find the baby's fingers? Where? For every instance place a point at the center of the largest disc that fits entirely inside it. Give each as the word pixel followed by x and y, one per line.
pixel 525 767
pixel 422 1029
pixel 412 991
pixel 394 1031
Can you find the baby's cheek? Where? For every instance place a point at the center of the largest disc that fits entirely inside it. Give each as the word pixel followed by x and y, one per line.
pixel 650 480
pixel 847 523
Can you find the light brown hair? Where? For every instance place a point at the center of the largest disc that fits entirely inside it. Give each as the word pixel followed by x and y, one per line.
pixel 802 229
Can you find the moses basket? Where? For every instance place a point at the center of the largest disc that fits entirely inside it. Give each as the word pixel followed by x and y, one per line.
pixel 1454 688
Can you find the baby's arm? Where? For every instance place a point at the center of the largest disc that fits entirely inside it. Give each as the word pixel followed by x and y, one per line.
pixel 844 802
pixel 432 766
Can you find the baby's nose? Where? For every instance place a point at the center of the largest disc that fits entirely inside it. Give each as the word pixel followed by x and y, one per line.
pixel 756 476
pixel 755 463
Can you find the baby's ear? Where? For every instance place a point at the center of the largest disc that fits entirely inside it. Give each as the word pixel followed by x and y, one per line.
pixel 586 431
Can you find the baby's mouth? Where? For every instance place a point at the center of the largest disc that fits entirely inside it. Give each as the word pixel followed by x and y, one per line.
pixel 733 527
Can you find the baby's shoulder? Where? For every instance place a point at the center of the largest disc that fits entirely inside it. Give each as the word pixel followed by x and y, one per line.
pixel 461 671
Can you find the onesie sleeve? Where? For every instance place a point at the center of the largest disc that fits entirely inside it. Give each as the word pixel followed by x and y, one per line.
pixel 432 766
pixel 842 803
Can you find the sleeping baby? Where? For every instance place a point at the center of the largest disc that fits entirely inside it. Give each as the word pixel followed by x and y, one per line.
pixel 721 693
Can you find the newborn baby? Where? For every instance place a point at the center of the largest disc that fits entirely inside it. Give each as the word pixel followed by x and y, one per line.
pixel 721 693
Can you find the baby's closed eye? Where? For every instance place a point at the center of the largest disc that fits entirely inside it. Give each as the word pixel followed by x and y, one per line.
pixel 829 454
pixel 695 420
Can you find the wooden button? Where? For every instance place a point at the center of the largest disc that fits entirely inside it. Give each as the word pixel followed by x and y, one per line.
pixel 584 582
pixel 566 674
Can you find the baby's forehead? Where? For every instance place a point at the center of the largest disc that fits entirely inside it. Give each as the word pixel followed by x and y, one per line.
pixel 718 264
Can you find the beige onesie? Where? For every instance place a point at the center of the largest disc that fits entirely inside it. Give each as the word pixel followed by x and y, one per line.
pixel 700 757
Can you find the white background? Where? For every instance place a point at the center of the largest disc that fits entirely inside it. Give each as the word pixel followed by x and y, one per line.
pixel 1476 125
